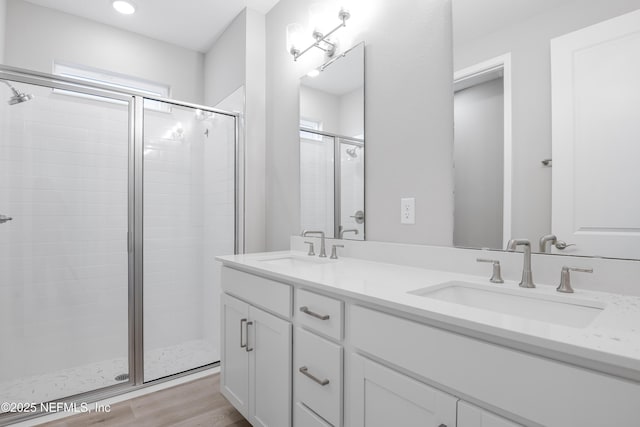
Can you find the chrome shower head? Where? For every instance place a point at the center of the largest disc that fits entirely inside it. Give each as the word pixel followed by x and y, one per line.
pixel 18 97
pixel 352 152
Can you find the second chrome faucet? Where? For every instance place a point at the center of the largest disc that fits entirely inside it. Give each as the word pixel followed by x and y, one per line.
pixel 527 275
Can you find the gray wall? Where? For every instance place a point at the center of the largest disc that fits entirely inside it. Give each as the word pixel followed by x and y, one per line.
pixel 36 36
pixel 237 60
pixel 478 155
pixel 408 129
pixel 528 43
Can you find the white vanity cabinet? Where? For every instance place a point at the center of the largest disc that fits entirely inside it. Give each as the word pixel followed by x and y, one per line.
pixel 471 416
pixel 382 397
pixel 256 350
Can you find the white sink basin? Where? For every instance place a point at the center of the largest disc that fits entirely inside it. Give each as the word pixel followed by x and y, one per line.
pixel 294 261
pixel 567 311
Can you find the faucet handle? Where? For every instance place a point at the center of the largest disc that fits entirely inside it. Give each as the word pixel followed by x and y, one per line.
pixel 334 251
pixel 565 278
pixel 496 276
pixel 560 244
pixel 311 252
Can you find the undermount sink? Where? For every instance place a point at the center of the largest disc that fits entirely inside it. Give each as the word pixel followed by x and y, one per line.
pixel 572 312
pixel 294 261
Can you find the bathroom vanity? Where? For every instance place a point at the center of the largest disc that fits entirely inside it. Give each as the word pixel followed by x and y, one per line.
pixel 311 341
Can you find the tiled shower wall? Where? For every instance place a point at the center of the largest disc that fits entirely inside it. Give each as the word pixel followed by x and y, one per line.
pixel 63 258
pixel 189 219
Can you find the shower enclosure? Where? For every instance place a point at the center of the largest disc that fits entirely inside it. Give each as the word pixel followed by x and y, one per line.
pixel 113 205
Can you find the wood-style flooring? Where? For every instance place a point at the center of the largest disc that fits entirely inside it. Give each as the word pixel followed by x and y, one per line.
pixel 196 403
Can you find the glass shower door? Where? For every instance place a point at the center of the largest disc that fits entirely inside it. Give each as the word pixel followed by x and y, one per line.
pixel 63 245
pixel 189 218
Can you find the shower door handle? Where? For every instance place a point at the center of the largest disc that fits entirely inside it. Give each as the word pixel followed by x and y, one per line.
pixel 4 218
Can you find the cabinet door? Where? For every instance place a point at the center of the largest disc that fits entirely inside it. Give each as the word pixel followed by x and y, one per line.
pixel 234 372
pixel 269 370
pixel 381 397
pixel 472 416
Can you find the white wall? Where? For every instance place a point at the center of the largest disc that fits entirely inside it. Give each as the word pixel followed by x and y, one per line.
pixel 3 16
pixel 237 60
pixel 322 107
pixel 225 62
pixel 528 43
pixel 408 124
pixel 352 113
pixel 36 36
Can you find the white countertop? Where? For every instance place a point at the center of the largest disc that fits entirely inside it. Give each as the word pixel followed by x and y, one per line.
pixel 610 343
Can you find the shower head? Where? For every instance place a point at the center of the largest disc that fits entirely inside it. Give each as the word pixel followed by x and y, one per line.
pixel 352 152
pixel 18 96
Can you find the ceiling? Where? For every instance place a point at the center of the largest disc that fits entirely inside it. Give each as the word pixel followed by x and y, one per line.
pixel 193 24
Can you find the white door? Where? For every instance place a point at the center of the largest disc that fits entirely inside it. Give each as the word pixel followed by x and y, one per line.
pixel 269 370
pixel 472 416
pixel 381 397
pixel 596 138
pixel 234 373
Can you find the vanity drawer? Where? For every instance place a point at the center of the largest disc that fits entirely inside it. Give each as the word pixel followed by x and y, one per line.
pixel 304 417
pixel 320 313
pixel 268 294
pixel 318 375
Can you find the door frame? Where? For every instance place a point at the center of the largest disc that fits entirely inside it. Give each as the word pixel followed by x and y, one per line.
pixel 480 73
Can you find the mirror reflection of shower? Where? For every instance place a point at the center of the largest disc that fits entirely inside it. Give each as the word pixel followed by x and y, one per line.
pixel 353 152
pixel 18 97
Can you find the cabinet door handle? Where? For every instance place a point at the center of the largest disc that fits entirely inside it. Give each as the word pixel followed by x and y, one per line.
pixel 306 310
pixel 247 349
pixel 305 371
pixel 242 321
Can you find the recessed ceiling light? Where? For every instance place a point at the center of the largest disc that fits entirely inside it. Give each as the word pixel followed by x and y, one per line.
pixel 124 7
pixel 314 73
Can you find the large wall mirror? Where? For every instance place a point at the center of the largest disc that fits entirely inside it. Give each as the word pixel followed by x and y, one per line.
pixel 547 125
pixel 332 147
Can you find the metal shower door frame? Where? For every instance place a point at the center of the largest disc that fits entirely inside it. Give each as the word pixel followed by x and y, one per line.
pixel 135 102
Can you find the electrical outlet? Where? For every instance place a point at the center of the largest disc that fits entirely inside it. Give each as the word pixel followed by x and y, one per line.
pixel 408 211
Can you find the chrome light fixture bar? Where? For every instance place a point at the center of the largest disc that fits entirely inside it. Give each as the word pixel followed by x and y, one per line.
pixel 322 41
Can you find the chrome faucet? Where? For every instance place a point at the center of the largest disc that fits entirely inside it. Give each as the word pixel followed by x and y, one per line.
pixel 527 276
pixel 323 253
pixel 350 230
pixel 548 238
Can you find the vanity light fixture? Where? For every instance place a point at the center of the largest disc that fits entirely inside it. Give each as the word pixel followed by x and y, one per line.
pixel 295 34
pixel 124 7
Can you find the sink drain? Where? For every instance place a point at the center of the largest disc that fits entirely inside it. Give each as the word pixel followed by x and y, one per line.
pixel 122 377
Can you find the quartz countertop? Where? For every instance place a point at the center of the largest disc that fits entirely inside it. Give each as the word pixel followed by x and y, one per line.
pixel 610 343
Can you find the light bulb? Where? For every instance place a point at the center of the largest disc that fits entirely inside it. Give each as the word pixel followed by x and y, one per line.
pixel 124 7
pixel 294 37
pixel 313 73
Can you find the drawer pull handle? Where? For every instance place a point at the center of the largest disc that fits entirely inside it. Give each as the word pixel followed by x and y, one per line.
pixel 242 322
pixel 247 349
pixel 305 371
pixel 306 310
